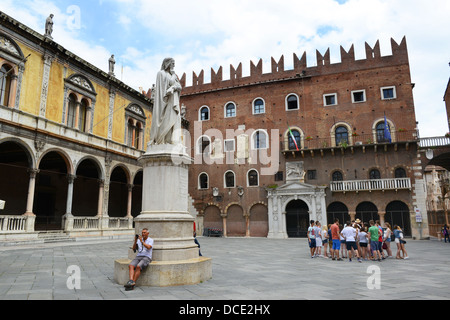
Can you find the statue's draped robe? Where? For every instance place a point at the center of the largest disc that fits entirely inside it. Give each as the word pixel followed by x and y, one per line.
pixel 166 109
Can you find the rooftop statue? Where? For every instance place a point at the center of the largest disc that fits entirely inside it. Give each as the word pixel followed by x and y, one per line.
pixel 49 26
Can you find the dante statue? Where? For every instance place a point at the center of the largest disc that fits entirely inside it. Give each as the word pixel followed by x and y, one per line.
pixel 166 121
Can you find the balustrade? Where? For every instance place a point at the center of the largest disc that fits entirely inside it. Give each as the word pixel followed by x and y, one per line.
pixel 371 185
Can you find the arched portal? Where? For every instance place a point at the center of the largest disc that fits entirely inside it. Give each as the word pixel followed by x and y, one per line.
pixel 50 200
pixel 297 219
pixel 118 193
pixel 15 163
pixel 86 189
pixel 136 202
pixel 212 218
pixel 236 226
pixel 259 225
pixel 367 211
pixel 397 213
pixel 337 210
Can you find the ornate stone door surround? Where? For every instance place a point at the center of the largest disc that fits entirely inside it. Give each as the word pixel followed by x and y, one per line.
pixel 294 189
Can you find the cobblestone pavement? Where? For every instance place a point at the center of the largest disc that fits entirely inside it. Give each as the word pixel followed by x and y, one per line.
pixel 243 269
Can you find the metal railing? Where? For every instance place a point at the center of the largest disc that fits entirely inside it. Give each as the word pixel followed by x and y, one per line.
pixel 371 185
pixel 365 139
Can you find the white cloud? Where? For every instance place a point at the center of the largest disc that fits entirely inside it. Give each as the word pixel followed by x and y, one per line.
pixel 209 34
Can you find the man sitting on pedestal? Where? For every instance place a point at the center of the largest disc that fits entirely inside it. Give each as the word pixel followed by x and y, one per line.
pixel 144 245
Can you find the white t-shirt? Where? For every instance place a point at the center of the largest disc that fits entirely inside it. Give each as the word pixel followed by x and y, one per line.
pixel 362 237
pixel 312 232
pixel 349 233
pixel 143 251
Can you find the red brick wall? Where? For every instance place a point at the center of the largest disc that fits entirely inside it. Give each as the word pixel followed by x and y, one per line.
pixel 315 120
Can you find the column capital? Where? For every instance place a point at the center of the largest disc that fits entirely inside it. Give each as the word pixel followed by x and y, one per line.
pixel 71 178
pixel 33 172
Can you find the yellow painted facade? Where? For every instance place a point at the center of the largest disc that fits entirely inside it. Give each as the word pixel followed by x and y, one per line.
pixel 70 137
pixel 31 87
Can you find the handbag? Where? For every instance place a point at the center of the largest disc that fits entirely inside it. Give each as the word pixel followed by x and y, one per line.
pixel 384 245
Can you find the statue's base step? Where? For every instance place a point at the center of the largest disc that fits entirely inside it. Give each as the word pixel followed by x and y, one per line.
pixel 167 273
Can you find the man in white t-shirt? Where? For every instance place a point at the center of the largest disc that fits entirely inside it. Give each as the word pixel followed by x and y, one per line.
pixel 350 233
pixel 144 246
pixel 312 238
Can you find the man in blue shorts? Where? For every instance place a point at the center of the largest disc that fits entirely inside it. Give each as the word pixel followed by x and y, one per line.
pixel 336 240
pixel 312 238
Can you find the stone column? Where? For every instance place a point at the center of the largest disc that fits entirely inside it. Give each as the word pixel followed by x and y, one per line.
pixel 71 178
pixel 224 224
pixel 130 197
pixel 31 187
pixel 12 90
pixel 77 116
pixel 382 214
pixel 67 222
pixel 247 224
pixel 101 190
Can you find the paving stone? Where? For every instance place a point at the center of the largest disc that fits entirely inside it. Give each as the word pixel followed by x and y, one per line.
pixel 243 269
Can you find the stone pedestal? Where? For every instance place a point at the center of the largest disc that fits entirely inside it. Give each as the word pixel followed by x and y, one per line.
pixel 165 213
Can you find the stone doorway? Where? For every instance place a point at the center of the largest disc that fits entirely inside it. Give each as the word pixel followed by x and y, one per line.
pixel 297 219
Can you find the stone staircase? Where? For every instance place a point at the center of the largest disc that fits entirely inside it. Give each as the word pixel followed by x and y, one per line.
pixel 54 236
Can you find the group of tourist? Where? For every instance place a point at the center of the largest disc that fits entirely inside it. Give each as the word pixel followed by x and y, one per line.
pixel 355 239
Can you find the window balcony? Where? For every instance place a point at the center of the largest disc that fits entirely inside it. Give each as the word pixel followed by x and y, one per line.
pixel 371 185
pixel 434 142
pixel 347 141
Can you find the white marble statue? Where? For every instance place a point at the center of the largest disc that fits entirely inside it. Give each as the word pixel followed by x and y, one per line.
pixel 166 121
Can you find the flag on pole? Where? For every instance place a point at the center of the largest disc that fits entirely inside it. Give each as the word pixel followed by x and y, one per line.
pixel 387 132
pixel 293 138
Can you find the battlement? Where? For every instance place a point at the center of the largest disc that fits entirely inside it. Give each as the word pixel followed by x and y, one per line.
pixel 300 68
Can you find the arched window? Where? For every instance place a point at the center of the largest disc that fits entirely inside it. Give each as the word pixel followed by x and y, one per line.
pixel 137 135
pixel 79 107
pixel 400 173
pixel 341 134
pixel 296 141
pixel 203 181
pixel 83 115
pixel 230 110
pixel 260 140
pixel 204 113
pixel 5 85
pixel 71 114
pixel 230 181
pixel 380 132
pixel 135 118
pixel 292 102
pixel 130 126
pixel 203 145
pixel 374 174
pixel 252 178
pixel 337 176
pixel 258 106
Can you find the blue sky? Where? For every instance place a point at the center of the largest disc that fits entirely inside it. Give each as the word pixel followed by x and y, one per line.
pixel 204 34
